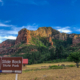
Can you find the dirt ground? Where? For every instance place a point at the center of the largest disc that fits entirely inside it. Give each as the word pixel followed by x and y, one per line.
pixel 71 73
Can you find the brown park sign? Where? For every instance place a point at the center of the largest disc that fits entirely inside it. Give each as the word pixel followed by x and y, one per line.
pixel 11 64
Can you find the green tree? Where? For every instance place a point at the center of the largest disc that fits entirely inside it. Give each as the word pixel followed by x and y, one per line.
pixel 58 52
pixel 75 56
pixel 52 54
pixel 61 51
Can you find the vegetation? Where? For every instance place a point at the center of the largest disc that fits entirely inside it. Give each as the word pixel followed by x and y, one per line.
pixel 65 44
pixel 58 53
pixel 75 57
pixel 42 53
pixel 29 72
pixel 56 67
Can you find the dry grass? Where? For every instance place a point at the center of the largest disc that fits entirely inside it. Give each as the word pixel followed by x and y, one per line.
pixel 48 64
pixel 50 74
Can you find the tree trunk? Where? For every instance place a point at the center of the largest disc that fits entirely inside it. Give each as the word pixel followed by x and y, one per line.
pixel 77 64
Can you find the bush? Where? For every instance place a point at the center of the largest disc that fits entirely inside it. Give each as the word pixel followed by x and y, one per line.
pixel 70 65
pixel 56 67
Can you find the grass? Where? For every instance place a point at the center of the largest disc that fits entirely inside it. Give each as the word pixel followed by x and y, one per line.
pixel 48 64
pixel 70 73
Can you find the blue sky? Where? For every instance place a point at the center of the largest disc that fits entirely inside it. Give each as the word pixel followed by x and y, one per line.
pixel 62 15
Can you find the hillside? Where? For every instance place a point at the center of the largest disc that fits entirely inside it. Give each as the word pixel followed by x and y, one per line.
pixel 43 44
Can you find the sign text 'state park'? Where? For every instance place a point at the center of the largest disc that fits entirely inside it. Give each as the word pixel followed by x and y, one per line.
pixel 11 65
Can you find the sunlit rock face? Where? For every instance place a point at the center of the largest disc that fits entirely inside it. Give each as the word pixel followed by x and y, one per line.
pixel 25 35
pixel 76 39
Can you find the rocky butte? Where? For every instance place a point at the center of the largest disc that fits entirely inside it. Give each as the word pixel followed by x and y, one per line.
pixel 26 36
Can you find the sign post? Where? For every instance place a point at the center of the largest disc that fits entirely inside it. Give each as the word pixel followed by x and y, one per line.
pixel 11 65
pixel 16 76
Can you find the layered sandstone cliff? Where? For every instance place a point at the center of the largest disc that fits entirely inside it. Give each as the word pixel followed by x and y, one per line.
pixel 7 43
pixel 76 39
pixel 25 35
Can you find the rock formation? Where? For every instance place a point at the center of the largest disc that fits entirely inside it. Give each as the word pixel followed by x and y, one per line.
pixel 50 40
pixel 7 43
pixel 25 36
pixel 76 39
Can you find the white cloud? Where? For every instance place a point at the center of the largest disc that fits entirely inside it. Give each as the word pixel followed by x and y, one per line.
pixel 9 37
pixel 12 32
pixel 5 25
pixel 77 29
pixel 6 37
pixel 8 34
pixel 64 29
pixel 15 29
pixel 34 26
pixel 0 41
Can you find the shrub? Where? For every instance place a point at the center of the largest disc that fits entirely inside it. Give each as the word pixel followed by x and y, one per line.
pixel 70 65
pixel 56 67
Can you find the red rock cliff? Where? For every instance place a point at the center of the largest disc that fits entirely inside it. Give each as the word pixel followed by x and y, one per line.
pixel 7 43
pixel 25 35
pixel 76 39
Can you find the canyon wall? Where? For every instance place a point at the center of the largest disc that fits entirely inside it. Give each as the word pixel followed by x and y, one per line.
pixel 25 36
pixel 76 39
pixel 7 43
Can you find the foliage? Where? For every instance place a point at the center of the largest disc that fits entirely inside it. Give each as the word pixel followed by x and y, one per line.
pixel 44 40
pixel 65 44
pixel 37 42
pixel 56 67
pixel 59 53
pixel 75 56
pixel 56 61
pixel 70 65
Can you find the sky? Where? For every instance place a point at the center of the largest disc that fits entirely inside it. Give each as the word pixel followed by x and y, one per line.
pixel 62 15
